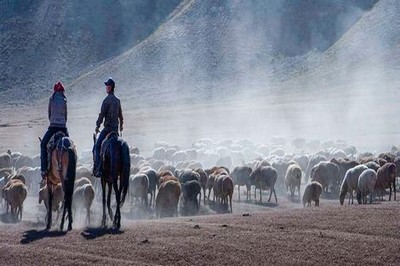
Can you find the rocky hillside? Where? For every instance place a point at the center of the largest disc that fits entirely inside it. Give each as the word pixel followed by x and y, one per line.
pixel 216 48
pixel 208 47
pixel 42 41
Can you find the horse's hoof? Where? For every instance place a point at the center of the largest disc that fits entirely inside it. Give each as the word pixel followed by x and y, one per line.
pixel 69 227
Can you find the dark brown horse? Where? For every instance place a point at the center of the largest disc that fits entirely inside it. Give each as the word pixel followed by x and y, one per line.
pixel 62 170
pixel 116 164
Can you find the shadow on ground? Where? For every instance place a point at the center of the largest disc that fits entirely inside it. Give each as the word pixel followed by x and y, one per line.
pixel 93 233
pixel 34 235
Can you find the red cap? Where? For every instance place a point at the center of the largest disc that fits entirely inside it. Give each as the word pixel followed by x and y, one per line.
pixel 59 87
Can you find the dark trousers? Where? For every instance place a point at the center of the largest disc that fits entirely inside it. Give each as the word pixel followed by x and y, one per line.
pixel 43 145
pixel 97 147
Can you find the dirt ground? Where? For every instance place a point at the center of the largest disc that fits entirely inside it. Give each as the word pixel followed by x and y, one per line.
pixel 283 234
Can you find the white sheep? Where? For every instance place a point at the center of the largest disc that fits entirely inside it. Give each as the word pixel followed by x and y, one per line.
pixel 312 192
pixel 83 198
pixel 366 184
pixel 58 197
pixel 138 187
pixel 350 182
pixel 81 181
pixel 293 179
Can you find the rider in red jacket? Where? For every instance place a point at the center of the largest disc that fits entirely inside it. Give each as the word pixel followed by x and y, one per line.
pixel 57 112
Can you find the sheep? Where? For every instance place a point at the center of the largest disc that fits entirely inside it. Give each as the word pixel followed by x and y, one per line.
pixel 58 197
pixel 372 165
pixel 15 194
pixel 293 179
pixel 18 177
pixel 344 165
pixel 280 165
pixel 134 150
pixel 327 174
pixel 385 178
pixel 178 156
pixel 156 164
pixel 203 181
pixel 159 153
pixel 153 182
pixel 312 192
pixel 213 173
pixel 164 173
pixel 167 199
pixel 82 181
pixel 188 175
pixel 190 190
pixel 264 178
pixel 32 176
pixel 83 171
pixel 366 184
pixel 350 182
pixel 83 198
pixel 315 159
pixel 5 160
pixel 302 161
pixel 166 178
pixel 138 188
pixel 23 160
pixel 241 177
pixel 167 168
pixel 227 190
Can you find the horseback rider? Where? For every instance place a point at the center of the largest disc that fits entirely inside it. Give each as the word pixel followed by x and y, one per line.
pixel 111 111
pixel 57 112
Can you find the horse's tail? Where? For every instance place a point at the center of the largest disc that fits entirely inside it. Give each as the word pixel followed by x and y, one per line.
pixel 71 171
pixel 126 168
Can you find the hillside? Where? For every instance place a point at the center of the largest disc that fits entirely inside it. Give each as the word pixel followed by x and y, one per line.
pixel 42 41
pixel 214 48
pixel 201 45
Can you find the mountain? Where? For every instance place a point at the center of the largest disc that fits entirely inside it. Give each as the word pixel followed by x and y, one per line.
pixel 42 41
pixel 211 47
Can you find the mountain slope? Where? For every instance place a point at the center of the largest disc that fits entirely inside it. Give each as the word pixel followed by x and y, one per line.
pixel 42 41
pixel 213 48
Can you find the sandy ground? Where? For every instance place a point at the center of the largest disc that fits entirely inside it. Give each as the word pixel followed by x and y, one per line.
pixel 283 233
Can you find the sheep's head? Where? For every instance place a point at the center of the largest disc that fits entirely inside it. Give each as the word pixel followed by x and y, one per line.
pixel 342 196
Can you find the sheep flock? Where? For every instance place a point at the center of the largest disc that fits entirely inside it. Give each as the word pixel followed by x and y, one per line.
pixel 213 176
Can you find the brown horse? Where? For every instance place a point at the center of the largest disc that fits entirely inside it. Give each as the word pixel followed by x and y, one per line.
pixel 62 170
pixel 116 164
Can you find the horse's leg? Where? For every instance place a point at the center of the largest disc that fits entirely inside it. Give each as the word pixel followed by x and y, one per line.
pixel 49 214
pixel 103 186
pixel 109 201
pixel 117 218
pixel 69 206
pixel 64 208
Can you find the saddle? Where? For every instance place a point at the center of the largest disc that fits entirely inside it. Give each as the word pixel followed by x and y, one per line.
pixel 106 142
pixel 52 145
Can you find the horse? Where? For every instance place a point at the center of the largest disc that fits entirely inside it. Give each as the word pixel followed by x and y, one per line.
pixel 62 170
pixel 116 164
